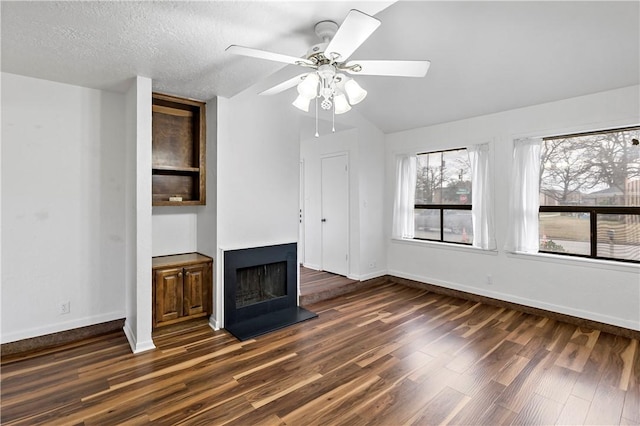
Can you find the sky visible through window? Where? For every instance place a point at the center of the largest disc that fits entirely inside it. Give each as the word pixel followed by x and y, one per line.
pixel 443 179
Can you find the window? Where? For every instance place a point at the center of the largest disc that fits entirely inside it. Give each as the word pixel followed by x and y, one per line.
pixel 590 195
pixel 443 197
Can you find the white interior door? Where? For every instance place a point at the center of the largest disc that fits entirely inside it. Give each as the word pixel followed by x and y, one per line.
pixel 335 214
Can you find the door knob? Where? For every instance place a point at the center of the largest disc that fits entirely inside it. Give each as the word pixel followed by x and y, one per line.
pixel 323 220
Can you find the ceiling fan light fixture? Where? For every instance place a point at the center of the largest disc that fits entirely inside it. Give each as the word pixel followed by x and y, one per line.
pixel 354 91
pixel 302 103
pixel 308 88
pixel 328 83
pixel 341 104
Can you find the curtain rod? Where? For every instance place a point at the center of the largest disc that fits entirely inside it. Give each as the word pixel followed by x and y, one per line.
pixel 595 132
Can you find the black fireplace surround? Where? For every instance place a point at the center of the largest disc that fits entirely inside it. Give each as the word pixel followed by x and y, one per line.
pixel 261 290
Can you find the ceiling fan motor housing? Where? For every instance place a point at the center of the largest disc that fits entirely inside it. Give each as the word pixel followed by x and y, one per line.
pixel 326 30
pixel 316 54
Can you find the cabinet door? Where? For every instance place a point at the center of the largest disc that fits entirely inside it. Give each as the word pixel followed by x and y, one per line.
pixel 195 290
pixel 169 284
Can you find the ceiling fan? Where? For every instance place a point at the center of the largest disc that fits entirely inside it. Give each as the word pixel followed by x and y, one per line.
pixel 330 64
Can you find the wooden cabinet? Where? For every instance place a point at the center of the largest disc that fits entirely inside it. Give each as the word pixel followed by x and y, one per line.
pixel 182 287
pixel 178 151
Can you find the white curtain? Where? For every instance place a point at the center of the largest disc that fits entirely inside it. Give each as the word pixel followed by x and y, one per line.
pixel 524 202
pixel 404 201
pixel 482 192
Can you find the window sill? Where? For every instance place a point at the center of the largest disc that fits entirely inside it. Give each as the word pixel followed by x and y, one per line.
pixel 443 245
pixel 578 261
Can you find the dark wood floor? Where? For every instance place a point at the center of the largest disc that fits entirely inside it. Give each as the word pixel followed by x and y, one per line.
pixel 312 281
pixel 385 355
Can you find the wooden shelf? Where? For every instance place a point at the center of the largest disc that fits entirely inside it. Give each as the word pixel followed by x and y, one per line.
pixel 173 260
pixel 178 151
pixel 174 169
pixel 162 202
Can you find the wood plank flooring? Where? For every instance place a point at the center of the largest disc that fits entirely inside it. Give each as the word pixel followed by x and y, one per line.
pixel 316 286
pixel 312 281
pixel 386 355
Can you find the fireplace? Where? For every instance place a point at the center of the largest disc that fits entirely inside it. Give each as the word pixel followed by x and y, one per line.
pixel 261 290
pixel 261 283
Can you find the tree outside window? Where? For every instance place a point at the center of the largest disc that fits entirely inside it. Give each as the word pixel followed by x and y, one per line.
pixel 590 194
pixel 443 197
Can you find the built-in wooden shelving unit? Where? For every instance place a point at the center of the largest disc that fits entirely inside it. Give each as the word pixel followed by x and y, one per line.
pixel 178 151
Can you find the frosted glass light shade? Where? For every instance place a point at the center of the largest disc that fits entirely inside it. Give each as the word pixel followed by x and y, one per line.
pixel 355 93
pixel 302 103
pixel 308 88
pixel 341 104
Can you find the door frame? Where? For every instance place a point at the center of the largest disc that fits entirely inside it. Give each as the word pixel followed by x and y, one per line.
pixel 348 208
pixel 301 217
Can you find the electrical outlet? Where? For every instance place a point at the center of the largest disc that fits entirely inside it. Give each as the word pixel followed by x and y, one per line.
pixel 64 307
pixel 489 280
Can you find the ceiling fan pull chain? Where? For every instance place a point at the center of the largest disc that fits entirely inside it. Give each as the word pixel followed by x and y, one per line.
pixel 333 118
pixel 317 134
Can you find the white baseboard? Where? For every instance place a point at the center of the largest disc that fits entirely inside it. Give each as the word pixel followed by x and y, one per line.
pixel 129 335
pixel 311 266
pixel 136 347
pixel 214 323
pixel 370 275
pixel 566 310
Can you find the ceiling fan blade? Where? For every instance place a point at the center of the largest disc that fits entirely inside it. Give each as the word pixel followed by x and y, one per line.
pixel 356 28
pixel 284 85
pixel 263 54
pixel 391 68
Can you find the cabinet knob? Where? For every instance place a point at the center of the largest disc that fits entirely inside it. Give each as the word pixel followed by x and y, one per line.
pixel 186 273
pixel 179 274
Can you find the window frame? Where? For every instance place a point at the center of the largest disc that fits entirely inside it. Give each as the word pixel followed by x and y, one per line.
pixel 442 207
pixel 593 211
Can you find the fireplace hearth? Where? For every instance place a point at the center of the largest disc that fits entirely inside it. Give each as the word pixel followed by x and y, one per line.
pixel 261 291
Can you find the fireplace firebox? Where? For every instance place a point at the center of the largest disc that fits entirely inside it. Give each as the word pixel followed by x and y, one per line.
pixel 261 291
pixel 256 284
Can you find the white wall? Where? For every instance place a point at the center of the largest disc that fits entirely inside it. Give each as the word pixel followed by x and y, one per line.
pixel 63 192
pixel 131 264
pixel 174 230
pixel 258 154
pixel 602 291
pixel 206 215
pixel 364 144
pixel 312 150
pixel 258 158
pixel 371 170
pixel 138 324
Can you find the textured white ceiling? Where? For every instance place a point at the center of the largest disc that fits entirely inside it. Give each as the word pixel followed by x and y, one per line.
pixel 180 45
pixel 486 56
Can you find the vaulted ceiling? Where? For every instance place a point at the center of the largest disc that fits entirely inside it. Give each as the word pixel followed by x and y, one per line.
pixel 485 56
